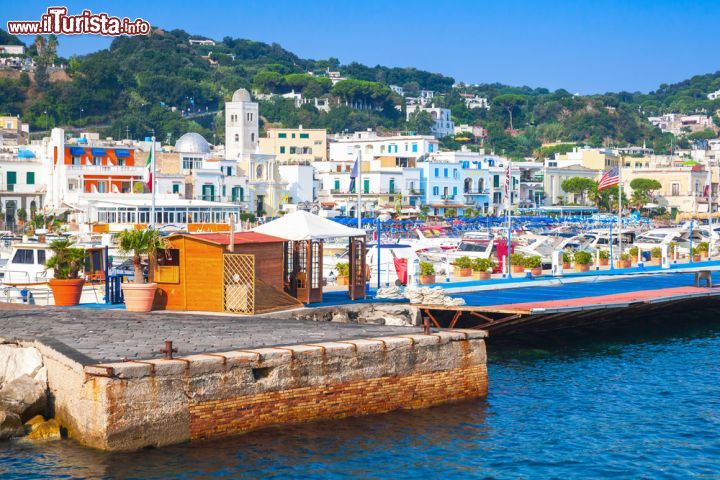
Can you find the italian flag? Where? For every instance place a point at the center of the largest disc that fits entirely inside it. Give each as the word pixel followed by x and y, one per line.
pixel 148 174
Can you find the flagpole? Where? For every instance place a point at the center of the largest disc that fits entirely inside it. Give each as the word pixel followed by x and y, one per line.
pixel 359 193
pixel 620 250
pixel 508 189
pixel 152 182
pixel 710 222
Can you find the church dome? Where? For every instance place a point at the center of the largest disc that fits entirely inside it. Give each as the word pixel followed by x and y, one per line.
pixel 192 143
pixel 241 95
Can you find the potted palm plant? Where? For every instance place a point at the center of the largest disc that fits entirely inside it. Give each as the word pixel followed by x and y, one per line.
pixel 463 266
pixel 624 261
pixel 566 259
pixel 516 263
pixel 703 248
pixel 67 264
pixel 633 254
pixel 427 273
pixel 534 263
pixel 655 256
pixel 343 273
pixel 482 268
pixel 603 258
pixel 139 295
pixel 695 254
pixel 582 261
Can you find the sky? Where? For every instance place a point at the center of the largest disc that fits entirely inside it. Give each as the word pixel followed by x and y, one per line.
pixel 583 46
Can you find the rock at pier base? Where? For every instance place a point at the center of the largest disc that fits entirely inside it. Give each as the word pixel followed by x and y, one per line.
pixel 24 396
pixel 43 430
pixel 10 425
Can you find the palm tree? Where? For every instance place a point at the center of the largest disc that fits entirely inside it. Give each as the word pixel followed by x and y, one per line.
pixel 138 243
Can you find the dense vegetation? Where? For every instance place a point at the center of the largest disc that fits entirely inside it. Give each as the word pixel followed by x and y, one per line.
pixel 140 85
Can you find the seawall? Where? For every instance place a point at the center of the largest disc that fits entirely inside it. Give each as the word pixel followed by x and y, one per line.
pixel 153 402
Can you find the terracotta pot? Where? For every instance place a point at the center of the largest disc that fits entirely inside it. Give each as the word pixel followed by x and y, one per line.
pixel 623 264
pixel 536 272
pixel 427 279
pixel 634 260
pixel 704 254
pixel 517 268
pixel 463 272
pixel 66 292
pixel 582 268
pixel 343 280
pixel 654 261
pixel 566 266
pixel 697 258
pixel 604 262
pixel 481 275
pixel 139 296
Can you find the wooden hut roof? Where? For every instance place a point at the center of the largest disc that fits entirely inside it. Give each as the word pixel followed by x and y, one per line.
pixel 240 238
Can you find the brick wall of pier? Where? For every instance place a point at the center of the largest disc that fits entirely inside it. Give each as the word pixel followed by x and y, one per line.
pixel 136 404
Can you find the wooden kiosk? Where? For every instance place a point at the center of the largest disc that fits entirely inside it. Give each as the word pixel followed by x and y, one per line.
pixel 303 255
pixel 220 272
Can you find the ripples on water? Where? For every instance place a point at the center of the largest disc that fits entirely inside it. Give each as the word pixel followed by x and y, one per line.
pixel 638 403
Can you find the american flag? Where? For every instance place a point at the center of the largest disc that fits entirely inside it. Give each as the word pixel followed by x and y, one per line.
pixel 609 179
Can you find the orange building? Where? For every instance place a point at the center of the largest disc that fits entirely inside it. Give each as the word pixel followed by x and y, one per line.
pixel 94 169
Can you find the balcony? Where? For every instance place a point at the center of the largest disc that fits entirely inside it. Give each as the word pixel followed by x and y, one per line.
pixel 78 170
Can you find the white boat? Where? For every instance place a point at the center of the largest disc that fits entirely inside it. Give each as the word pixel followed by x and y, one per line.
pixel 682 236
pixel 388 252
pixel 25 277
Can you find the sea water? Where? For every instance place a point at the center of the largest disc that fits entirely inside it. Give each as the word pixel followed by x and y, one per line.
pixel 636 402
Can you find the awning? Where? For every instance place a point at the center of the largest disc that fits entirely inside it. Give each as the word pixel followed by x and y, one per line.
pixel 77 151
pixel 25 154
pixel 98 152
pixel 121 152
pixel 302 225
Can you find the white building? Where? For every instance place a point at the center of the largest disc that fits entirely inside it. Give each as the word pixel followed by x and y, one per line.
pixel 12 49
pixel 714 95
pixel 475 101
pixel 442 117
pixel 345 147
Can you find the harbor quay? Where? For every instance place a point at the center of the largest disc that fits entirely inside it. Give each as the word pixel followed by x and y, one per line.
pixel 115 384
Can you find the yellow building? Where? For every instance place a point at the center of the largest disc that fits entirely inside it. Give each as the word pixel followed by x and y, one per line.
pixel 592 158
pixel 13 131
pixel 295 145
pixel 682 187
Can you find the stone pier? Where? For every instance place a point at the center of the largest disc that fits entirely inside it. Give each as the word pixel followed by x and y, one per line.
pixel 111 389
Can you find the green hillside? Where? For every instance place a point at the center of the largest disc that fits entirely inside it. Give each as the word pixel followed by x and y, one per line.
pixel 140 84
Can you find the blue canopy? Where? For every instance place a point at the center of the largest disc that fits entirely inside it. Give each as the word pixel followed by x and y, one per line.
pixel 25 154
pixel 121 152
pixel 98 152
pixel 77 151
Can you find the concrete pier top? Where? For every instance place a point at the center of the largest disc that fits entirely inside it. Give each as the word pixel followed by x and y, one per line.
pixel 90 336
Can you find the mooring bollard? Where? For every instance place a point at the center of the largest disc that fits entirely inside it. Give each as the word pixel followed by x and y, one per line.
pixel 168 350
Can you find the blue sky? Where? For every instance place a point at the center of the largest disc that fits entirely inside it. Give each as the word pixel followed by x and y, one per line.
pixel 585 46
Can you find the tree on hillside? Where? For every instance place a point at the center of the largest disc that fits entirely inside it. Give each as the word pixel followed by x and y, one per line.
pixel 268 82
pixel 578 186
pixel 643 190
pixel 509 102
pixel 420 122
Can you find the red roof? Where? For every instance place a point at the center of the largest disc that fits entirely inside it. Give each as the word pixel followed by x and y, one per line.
pixel 240 238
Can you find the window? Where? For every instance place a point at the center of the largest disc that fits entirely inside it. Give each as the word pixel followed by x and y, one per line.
pixel 237 137
pixel 337 184
pixel 282 149
pixel 304 135
pixel 293 135
pixel 41 257
pixel 30 178
pixel 496 181
pixel 293 150
pixel 391 188
pixel 259 172
pixel 252 137
pixel 445 172
pixel 24 256
pixel 436 190
pixel 102 187
pixel 176 188
pixel 455 173
pixel 675 189
pixel 282 135
pixel 430 148
pixel 11 178
pixel 97 160
pixel 437 172
pixel 414 147
pixel 191 163
pixel 454 190
pixel 366 186
pixel 120 162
